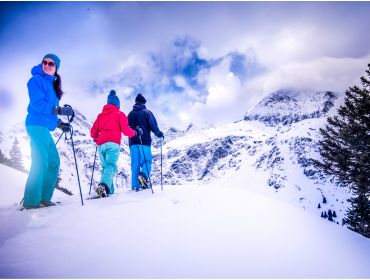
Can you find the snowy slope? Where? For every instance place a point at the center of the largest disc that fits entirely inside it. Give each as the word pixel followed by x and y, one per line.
pixel 198 231
pixel 12 187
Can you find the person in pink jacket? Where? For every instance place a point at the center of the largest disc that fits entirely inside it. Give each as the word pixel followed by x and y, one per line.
pixel 107 133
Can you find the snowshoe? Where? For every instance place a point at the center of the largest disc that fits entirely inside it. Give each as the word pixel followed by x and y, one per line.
pixel 143 181
pixel 47 203
pixel 107 191
pixel 101 190
pixel 42 204
pixel 93 197
pixel 31 207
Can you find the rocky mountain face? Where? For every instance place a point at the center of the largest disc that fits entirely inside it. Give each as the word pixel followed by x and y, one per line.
pixel 273 143
pixel 280 113
pixel 288 106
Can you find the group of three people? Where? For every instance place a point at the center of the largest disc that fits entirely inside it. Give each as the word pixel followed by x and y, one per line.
pixel 45 92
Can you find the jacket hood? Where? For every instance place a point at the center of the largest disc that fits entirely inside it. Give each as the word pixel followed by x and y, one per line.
pixel 138 107
pixel 109 108
pixel 37 70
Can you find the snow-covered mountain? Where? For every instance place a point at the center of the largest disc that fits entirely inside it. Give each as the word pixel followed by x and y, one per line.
pixel 288 106
pixel 272 145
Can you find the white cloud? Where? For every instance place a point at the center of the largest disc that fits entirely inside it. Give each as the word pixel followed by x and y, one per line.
pixel 225 101
pixel 318 45
pixel 324 73
pixel 180 81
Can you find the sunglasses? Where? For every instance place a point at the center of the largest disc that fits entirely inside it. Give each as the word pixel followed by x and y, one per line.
pixel 49 63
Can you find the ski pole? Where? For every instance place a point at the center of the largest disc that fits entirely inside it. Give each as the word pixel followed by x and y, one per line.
pixel 74 154
pixel 161 166
pixel 56 143
pixel 146 164
pixel 92 175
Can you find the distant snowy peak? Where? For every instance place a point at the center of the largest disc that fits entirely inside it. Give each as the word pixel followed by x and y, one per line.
pixel 172 133
pixel 287 106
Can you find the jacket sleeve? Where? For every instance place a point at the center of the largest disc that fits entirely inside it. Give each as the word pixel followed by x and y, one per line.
pixel 38 100
pixel 152 123
pixel 94 132
pixel 125 128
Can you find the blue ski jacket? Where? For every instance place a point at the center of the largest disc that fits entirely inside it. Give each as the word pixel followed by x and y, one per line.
pixel 42 99
pixel 140 116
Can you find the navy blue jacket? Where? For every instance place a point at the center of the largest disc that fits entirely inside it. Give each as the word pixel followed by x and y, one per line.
pixel 140 116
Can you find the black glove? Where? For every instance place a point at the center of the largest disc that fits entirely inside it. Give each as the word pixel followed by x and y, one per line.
pixel 160 134
pixel 65 111
pixel 65 127
pixel 139 131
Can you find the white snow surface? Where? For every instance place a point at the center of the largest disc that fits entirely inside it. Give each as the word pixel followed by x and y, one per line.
pixel 197 231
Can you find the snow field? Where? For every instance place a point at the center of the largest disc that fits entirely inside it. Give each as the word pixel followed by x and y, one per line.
pixel 207 231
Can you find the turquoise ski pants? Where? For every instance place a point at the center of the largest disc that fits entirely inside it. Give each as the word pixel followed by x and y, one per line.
pixel 45 163
pixel 141 161
pixel 108 153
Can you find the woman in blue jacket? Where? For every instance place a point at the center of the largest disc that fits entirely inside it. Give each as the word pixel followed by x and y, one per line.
pixel 44 90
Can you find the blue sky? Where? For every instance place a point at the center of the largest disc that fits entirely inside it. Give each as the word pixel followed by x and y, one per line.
pixel 193 61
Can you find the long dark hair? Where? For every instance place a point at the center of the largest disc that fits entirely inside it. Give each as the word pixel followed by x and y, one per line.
pixel 58 85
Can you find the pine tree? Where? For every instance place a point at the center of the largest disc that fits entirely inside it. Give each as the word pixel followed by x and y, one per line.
pixel 324 200
pixel 319 206
pixel 330 216
pixel 2 158
pixel 355 217
pixel 345 152
pixel 16 156
pixel 334 214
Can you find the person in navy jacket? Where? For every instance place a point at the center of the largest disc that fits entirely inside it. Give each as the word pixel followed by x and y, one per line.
pixel 44 90
pixel 141 118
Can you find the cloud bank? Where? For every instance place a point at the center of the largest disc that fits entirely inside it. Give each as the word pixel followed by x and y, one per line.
pixel 194 61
